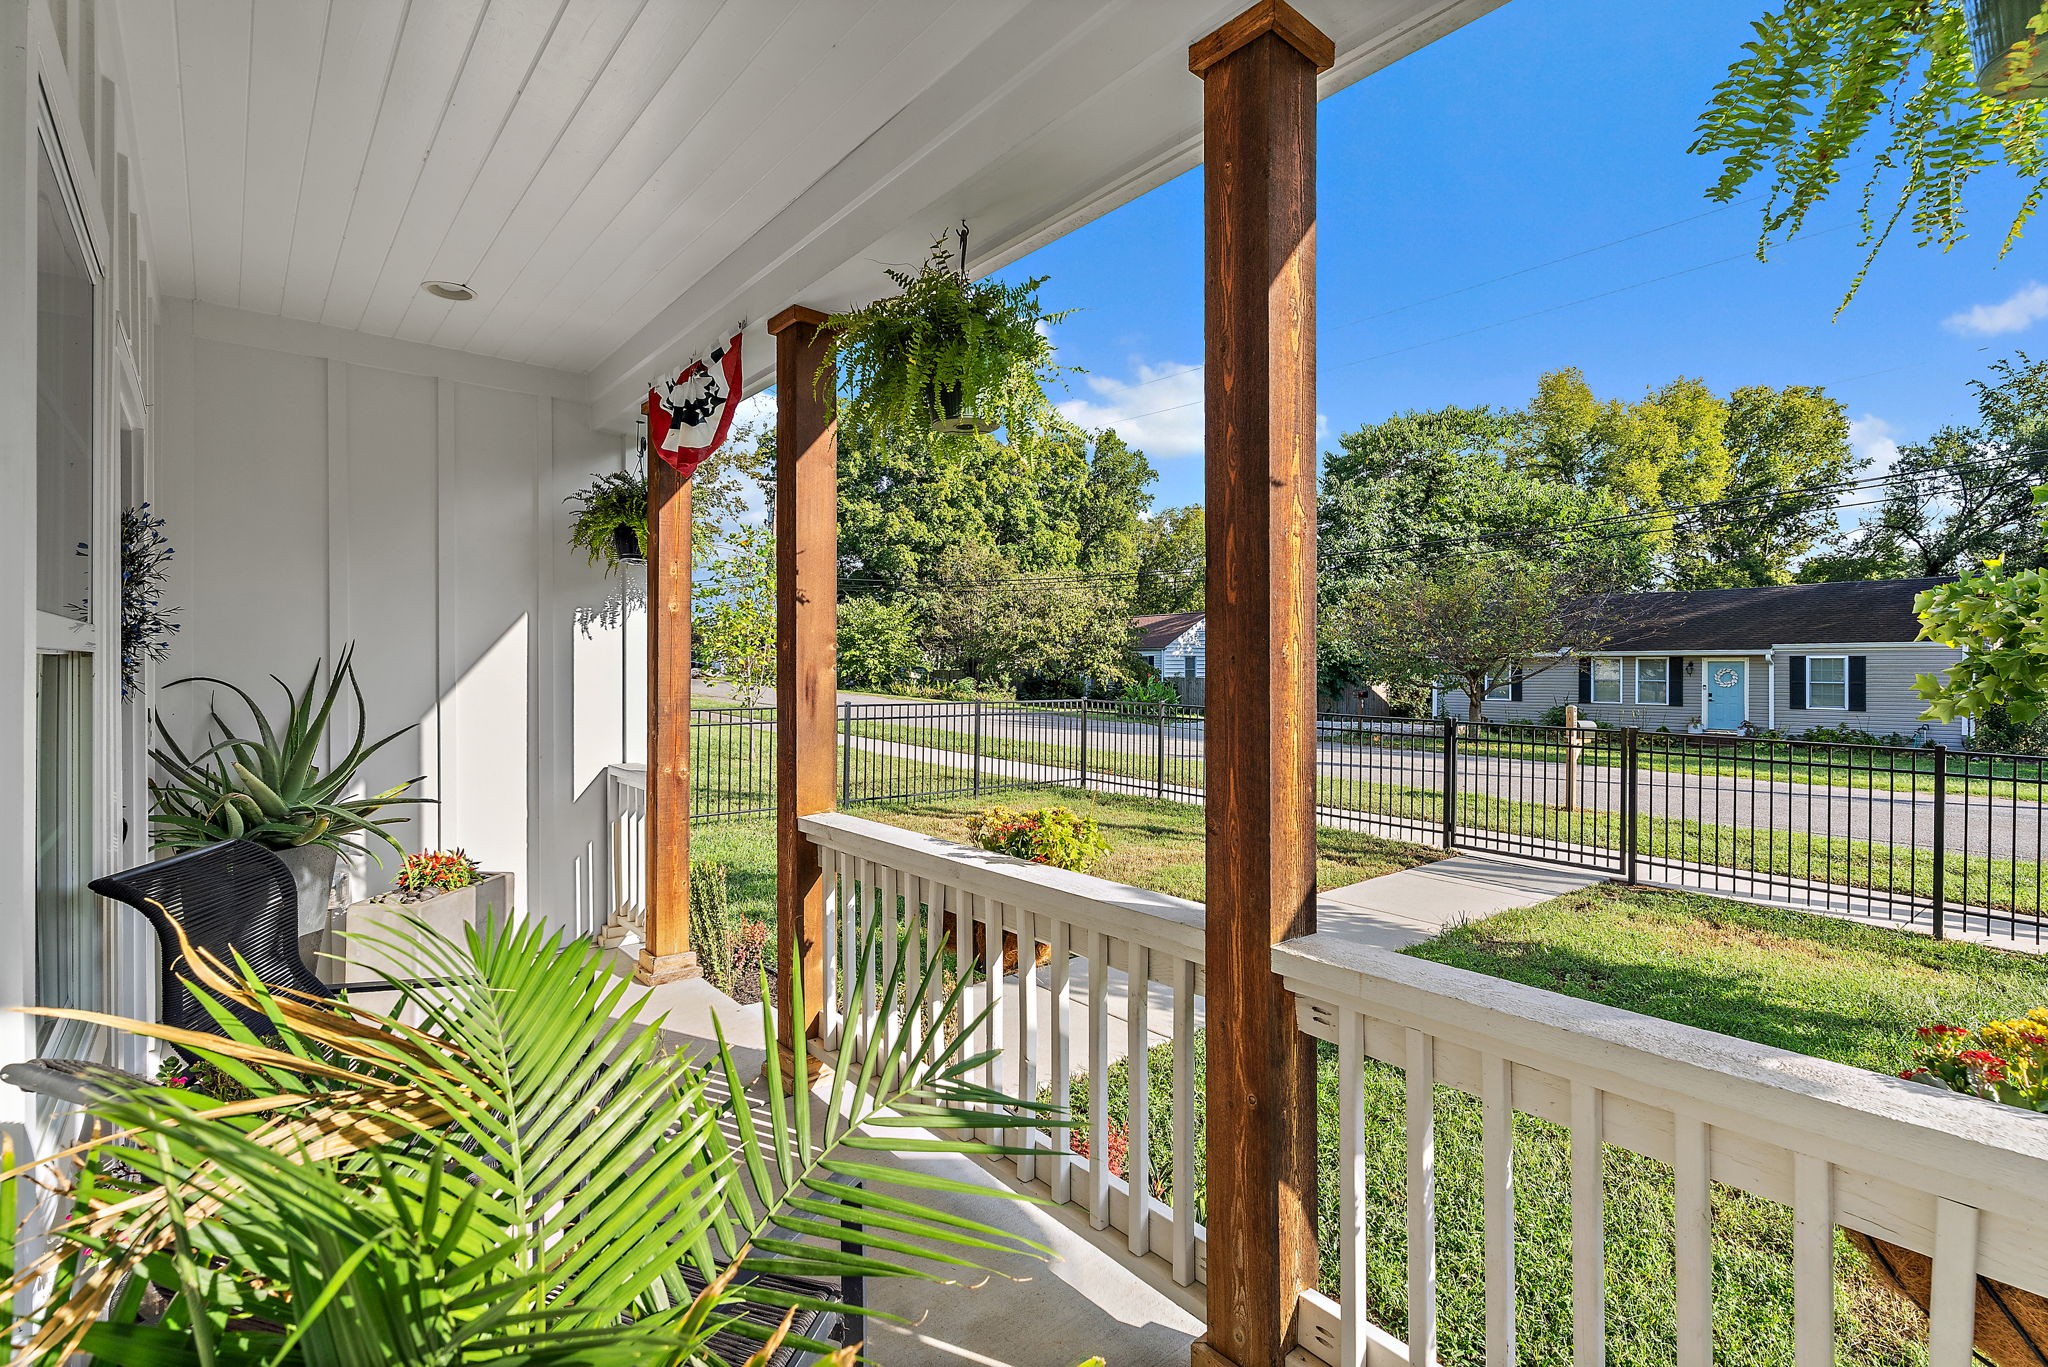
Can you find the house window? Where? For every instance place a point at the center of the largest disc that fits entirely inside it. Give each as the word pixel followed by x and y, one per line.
pixel 1827 682
pixel 1501 691
pixel 1607 680
pixel 1653 681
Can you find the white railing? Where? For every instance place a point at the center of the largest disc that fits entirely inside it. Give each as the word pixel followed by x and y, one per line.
pixel 1961 1180
pixel 625 805
pixel 1049 1024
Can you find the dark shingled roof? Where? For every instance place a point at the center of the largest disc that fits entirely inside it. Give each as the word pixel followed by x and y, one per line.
pixel 1869 610
pixel 1161 629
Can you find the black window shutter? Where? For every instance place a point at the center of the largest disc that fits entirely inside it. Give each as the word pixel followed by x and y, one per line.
pixel 1798 671
pixel 1585 681
pixel 1515 684
pixel 1675 673
pixel 1856 688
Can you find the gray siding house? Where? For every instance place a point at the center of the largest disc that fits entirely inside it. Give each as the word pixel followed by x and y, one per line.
pixel 1787 657
pixel 1174 643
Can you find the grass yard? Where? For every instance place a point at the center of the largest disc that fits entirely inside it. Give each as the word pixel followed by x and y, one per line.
pixel 1822 987
pixel 1153 844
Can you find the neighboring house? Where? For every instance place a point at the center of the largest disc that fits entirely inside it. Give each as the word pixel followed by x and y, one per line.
pixel 1174 643
pixel 1787 657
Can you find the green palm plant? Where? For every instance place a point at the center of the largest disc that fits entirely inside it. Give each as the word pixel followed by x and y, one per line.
pixel 267 788
pixel 527 1174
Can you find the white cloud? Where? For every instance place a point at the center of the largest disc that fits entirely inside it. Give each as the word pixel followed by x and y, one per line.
pixel 2027 306
pixel 1875 440
pixel 1158 410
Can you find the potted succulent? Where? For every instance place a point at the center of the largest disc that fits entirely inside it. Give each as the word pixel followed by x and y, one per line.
pixel 266 787
pixel 610 522
pixel 956 355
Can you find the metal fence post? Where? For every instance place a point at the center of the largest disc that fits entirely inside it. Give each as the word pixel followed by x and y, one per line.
pixel 1159 778
pixel 845 753
pixel 1629 800
pixel 1084 740
pixel 1450 833
pixel 977 747
pixel 1940 842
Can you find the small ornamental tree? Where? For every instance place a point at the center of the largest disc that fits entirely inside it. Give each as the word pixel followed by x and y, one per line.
pixel 1463 623
pixel 877 642
pixel 735 630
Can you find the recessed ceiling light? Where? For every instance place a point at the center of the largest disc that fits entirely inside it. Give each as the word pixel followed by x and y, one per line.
pixel 449 290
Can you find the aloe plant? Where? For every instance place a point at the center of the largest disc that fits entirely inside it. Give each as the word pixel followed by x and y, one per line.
pixel 267 788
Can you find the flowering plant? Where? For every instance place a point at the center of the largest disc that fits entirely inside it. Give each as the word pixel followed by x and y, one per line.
pixel 1050 835
pixel 432 871
pixel 2005 1061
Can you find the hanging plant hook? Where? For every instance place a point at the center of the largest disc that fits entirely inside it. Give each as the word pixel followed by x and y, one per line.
pixel 963 249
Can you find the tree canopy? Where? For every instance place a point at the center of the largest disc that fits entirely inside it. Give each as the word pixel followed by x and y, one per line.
pixel 1173 559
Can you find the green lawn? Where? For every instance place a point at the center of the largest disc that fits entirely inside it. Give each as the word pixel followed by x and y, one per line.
pixel 1822 987
pixel 1153 844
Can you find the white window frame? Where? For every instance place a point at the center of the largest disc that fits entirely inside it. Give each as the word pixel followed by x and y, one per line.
pixel 1662 662
pixel 1504 691
pixel 1614 662
pixel 1842 683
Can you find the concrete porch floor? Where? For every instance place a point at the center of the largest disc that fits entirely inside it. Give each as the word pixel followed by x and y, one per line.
pixel 1086 1301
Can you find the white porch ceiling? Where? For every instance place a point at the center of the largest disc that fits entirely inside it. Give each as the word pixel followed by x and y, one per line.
pixel 622 181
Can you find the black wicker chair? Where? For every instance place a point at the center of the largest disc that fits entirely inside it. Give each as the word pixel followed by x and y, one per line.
pixel 232 898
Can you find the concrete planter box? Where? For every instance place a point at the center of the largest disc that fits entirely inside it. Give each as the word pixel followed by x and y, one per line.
pixel 449 914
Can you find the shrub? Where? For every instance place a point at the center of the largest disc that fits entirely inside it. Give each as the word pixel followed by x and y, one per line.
pixel 436 871
pixel 877 642
pixel 1051 835
pixel 2004 1061
pixel 1849 735
pixel 1996 730
pixel 1552 716
pixel 713 929
pixel 1151 690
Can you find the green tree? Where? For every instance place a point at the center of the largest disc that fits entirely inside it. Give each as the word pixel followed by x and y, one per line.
pixel 1464 622
pixel 878 642
pixel 1825 78
pixel 1965 495
pixel 1789 454
pixel 734 632
pixel 1173 557
pixel 1044 633
pixel 1998 618
pixel 728 487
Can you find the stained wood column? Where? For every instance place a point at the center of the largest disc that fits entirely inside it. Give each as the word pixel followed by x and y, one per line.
pixel 1259 118
pixel 806 663
pixel 665 953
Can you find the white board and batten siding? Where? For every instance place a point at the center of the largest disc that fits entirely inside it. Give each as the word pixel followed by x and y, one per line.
pixel 1889 703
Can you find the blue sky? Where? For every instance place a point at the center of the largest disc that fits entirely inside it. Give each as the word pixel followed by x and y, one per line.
pixel 1548 129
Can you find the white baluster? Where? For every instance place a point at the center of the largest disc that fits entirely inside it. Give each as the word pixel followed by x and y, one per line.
pixel 992 1037
pixel 1026 1071
pixel 829 1024
pixel 1952 1318
pixel 1497 1143
pixel 1589 1232
pixel 1813 1261
pixel 1138 1147
pixel 1098 1079
pixel 849 953
pixel 1692 1174
pixel 1421 1088
pixel 1351 1236
pixel 1182 975
pixel 1059 1055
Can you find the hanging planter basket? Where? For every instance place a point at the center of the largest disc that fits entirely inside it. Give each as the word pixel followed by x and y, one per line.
pixel 2012 1325
pixel 609 523
pixel 626 546
pixel 2012 59
pixel 946 354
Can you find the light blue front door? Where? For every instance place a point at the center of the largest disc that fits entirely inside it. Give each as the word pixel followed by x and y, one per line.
pixel 1727 694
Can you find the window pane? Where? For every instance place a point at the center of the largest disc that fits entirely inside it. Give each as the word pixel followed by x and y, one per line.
pixel 1606 681
pixel 64 406
pixel 1653 681
pixel 1827 681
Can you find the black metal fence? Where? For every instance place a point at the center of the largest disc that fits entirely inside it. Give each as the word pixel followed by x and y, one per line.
pixel 1949 841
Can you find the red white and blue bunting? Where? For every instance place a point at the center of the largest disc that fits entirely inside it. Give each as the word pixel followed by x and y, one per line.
pixel 691 416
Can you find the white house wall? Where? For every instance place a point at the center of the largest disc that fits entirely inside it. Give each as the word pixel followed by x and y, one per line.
pixel 325 488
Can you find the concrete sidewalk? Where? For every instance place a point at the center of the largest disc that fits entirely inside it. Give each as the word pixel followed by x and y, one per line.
pixel 1406 908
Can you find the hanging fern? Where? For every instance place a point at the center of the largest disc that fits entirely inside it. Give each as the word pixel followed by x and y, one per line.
pixel 609 503
pixel 899 357
pixel 1823 77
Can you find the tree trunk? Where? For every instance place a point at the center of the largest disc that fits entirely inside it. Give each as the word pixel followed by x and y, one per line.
pixel 1475 699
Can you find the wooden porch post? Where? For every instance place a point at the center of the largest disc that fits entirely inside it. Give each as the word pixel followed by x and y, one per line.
pixel 665 953
pixel 806 668
pixel 1259 128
